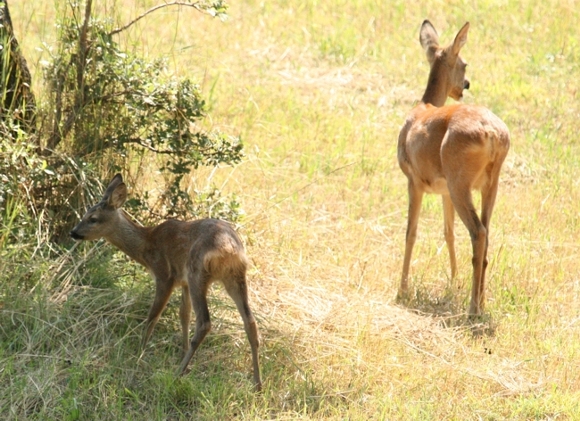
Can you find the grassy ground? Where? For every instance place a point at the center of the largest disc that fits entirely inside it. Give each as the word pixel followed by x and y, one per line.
pixel 318 91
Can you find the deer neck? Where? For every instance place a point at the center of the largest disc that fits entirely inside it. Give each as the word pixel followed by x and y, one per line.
pixel 437 91
pixel 130 238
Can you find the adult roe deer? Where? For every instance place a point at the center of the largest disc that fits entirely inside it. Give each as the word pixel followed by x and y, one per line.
pixel 190 255
pixel 451 150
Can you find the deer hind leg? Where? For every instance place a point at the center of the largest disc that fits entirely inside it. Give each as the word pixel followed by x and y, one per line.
pixel 449 217
pixel 415 199
pixel 163 291
pixel 463 202
pixel 237 288
pixel 198 286
pixel 185 317
pixel 488 195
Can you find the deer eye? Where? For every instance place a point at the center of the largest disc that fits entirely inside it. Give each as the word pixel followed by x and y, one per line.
pixel 93 220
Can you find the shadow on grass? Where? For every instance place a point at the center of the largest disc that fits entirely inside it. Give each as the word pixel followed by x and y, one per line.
pixel 449 308
pixel 78 358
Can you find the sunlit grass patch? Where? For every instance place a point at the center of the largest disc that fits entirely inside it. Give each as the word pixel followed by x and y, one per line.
pixel 318 91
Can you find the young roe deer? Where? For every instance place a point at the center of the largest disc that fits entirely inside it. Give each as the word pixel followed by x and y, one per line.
pixel 190 255
pixel 451 150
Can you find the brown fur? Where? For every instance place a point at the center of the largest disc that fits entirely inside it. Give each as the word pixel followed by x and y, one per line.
pixel 190 255
pixel 451 150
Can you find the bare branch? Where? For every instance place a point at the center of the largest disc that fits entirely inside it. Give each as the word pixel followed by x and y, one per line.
pixel 151 148
pixel 140 142
pixel 195 5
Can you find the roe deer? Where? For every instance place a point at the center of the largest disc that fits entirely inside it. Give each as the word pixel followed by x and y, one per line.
pixel 451 150
pixel 190 255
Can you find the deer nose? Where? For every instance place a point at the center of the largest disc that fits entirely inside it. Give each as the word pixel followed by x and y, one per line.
pixel 466 84
pixel 76 236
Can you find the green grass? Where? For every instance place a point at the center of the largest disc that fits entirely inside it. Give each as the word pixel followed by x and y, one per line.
pixel 318 92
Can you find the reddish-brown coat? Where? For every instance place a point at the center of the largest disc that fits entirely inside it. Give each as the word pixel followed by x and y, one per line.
pixel 451 150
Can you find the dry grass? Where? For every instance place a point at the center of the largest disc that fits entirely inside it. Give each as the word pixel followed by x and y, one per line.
pixel 318 94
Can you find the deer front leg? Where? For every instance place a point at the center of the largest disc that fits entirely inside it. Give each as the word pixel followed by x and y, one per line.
pixel 163 289
pixel 449 217
pixel 415 199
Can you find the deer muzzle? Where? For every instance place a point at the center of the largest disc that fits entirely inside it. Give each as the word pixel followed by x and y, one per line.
pixel 76 235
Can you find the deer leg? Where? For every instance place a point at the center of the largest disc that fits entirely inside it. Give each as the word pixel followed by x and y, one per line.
pixel 463 202
pixel 479 243
pixel 163 289
pixel 449 217
pixel 198 285
pixel 237 288
pixel 185 317
pixel 488 195
pixel 415 199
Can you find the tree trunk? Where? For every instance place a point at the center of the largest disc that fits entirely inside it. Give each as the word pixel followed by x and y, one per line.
pixel 17 102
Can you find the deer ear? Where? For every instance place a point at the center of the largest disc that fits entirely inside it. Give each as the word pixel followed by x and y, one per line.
pixel 460 39
pixel 116 192
pixel 118 196
pixel 118 178
pixel 429 39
